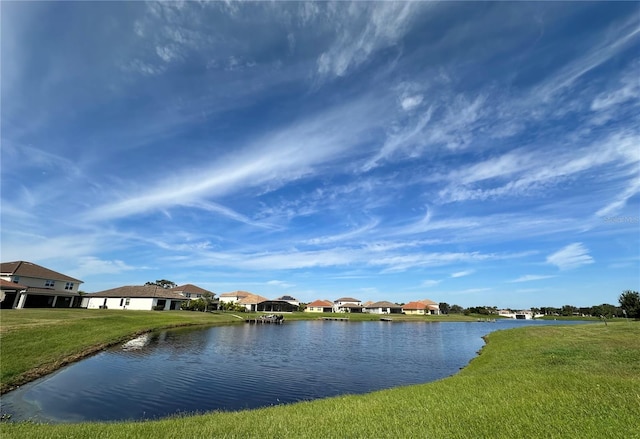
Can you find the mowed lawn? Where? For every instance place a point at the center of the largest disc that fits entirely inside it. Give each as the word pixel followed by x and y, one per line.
pixel 579 381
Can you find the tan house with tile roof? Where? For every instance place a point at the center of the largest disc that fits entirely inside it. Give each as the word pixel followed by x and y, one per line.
pixel 233 296
pixel 251 301
pixel 43 287
pixel 383 307
pixel 137 297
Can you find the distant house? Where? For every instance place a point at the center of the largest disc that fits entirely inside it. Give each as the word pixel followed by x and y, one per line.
pixel 290 299
pixel 233 297
pixel 418 308
pixel 319 306
pixel 347 304
pixel 35 286
pixel 138 297
pixel 193 292
pixel 251 301
pixel 432 307
pixel 383 307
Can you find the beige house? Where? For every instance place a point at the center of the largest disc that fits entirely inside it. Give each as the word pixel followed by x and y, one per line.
pixel 415 308
pixel 383 307
pixel 347 304
pixel 35 286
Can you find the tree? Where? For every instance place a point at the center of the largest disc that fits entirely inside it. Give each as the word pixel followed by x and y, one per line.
pixel 456 309
pixel 630 303
pixel 207 298
pixel 166 284
pixel 445 308
pixel 568 310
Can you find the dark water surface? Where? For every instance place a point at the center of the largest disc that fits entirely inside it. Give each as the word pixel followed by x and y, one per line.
pixel 249 366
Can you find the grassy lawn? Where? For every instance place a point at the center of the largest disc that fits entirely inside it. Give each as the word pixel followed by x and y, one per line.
pixel 578 381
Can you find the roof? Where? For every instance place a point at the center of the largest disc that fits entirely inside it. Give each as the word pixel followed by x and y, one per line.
pixel 384 304
pixel 287 298
pixel 251 299
pixel 236 294
pixel 6 285
pixel 351 305
pixel 347 299
pixel 415 305
pixel 139 291
pixel 190 288
pixel 320 303
pixel 29 269
pixel 428 302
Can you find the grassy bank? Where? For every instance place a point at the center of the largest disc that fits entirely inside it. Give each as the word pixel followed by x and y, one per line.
pixel 34 342
pixel 555 382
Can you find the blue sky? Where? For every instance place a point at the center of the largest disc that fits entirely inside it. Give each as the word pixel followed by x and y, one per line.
pixel 472 153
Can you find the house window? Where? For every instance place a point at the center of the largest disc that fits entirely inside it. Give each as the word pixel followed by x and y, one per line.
pixel 198 296
pixel 49 283
pixel 187 295
pixel 16 279
pixel 126 302
pixel 68 286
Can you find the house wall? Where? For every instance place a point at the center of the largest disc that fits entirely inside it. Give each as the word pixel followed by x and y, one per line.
pixel 135 303
pixel 36 282
pixel 415 311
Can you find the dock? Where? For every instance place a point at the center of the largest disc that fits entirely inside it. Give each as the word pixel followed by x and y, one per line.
pixel 341 319
pixel 270 319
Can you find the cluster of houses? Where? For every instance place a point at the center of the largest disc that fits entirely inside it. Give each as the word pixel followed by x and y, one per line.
pixel 28 285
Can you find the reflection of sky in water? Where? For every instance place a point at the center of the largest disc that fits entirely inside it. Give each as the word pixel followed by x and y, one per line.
pixel 248 366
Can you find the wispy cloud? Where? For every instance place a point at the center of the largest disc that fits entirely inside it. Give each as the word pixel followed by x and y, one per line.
pixel 462 273
pixel 531 277
pixel 572 256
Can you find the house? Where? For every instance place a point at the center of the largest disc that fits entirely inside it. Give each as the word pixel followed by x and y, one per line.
pixel 383 307
pixel 138 297
pixel 319 306
pixel 233 297
pixel 418 308
pixel 251 301
pixel 432 307
pixel 292 300
pixel 347 304
pixel 192 292
pixel 37 287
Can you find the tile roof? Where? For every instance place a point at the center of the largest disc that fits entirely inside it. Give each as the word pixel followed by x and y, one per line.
pixel 235 294
pixel 415 305
pixel 7 285
pixel 320 303
pixel 347 299
pixel 250 299
pixel 139 291
pixel 29 269
pixel 384 304
pixel 190 288
pixel 428 302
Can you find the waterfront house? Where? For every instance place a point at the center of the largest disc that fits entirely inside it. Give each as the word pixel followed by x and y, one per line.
pixel 37 287
pixel 138 297
pixel 251 301
pixel 233 297
pixel 193 292
pixel 319 306
pixel 432 307
pixel 383 307
pixel 347 304
pixel 418 308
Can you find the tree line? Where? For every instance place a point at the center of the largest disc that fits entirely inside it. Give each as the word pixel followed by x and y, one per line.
pixel 629 306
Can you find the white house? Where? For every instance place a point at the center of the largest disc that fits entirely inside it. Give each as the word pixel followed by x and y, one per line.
pixel 347 304
pixel 138 297
pixel 37 287
pixel 233 297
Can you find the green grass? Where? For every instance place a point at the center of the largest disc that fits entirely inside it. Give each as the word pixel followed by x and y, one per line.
pixel 579 381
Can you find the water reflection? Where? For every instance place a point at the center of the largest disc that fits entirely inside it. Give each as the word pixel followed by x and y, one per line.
pixel 247 366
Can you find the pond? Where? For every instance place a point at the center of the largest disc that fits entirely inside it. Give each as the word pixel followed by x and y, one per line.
pixel 249 366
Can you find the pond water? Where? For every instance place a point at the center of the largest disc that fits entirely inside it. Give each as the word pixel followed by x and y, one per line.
pixel 249 366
